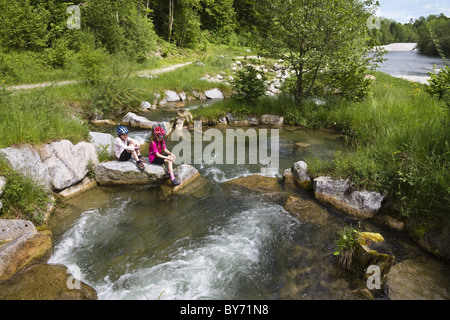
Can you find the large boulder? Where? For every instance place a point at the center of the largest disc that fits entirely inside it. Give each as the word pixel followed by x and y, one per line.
pixel 67 163
pixel 126 172
pixel 46 282
pixel 214 94
pixel 103 142
pixel 56 166
pixel 419 279
pixel 361 204
pixel 26 160
pixel 21 246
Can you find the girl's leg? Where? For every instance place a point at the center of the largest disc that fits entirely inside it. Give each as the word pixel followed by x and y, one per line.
pixel 136 153
pixel 170 166
pixel 175 182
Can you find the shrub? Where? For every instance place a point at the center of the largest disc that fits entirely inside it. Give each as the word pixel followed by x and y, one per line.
pixel 248 84
pixel 439 85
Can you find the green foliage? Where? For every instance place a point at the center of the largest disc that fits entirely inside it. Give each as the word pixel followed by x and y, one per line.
pixel 23 26
pixel 219 17
pixel 37 118
pixel 59 55
pixel 22 197
pixel 434 37
pixel 113 92
pixel 93 63
pixel 346 244
pixel 314 37
pixel 248 84
pixel 390 31
pixel 439 85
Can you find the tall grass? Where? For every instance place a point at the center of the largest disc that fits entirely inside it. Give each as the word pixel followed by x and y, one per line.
pixel 37 118
pixel 400 135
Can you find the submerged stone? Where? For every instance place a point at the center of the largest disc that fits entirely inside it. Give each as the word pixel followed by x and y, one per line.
pixel 306 210
pixel 46 282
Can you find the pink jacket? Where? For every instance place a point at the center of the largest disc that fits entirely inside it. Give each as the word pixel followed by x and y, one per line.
pixel 153 149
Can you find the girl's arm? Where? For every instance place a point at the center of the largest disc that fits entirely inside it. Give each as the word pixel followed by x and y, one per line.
pixel 119 143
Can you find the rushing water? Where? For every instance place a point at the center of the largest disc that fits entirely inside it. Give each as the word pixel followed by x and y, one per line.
pixel 135 242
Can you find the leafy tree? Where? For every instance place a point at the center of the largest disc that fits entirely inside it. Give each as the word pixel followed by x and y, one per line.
pixel 434 35
pixel 118 26
pixel 187 29
pixel 319 40
pixel 23 26
pixel 219 17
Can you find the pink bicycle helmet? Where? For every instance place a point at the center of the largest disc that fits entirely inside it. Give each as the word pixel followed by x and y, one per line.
pixel 159 132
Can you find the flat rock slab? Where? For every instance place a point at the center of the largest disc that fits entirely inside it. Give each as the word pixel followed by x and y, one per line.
pixel 126 172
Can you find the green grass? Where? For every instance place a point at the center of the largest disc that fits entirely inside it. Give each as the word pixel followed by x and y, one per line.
pixel 37 118
pixel 22 198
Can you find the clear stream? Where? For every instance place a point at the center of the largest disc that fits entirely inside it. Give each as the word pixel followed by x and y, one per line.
pixel 135 242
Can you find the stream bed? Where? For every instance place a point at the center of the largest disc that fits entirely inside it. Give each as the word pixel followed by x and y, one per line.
pixel 135 242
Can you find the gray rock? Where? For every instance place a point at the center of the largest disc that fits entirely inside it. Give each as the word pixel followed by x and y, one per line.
pixel 214 94
pixel 135 121
pixel 27 161
pixel 271 119
pixel 301 176
pixel 67 163
pixel 102 142
pixel 126 172
pixel 57 165
pixel 172 96
pixel 146 105
pixel 361 204
pixel 2 184
pixel 13 228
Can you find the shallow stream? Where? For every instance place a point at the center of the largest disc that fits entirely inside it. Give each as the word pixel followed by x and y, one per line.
pixel 135 242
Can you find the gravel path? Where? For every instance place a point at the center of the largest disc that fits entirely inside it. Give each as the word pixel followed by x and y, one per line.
pixel 63 83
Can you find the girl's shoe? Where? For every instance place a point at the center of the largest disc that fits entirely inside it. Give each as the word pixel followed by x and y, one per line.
pixel 175 182
pixel 140 165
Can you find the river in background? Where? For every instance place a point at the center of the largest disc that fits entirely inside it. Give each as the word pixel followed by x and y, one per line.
pixel 402 62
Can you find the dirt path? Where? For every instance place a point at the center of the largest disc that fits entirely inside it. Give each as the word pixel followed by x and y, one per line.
pixel 63 83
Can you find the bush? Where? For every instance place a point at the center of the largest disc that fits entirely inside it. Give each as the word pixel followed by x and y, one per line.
pixel 439 85
pixel 113 91
pixel 248 84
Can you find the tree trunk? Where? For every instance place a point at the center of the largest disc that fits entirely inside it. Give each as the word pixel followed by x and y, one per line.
pixel 171 13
